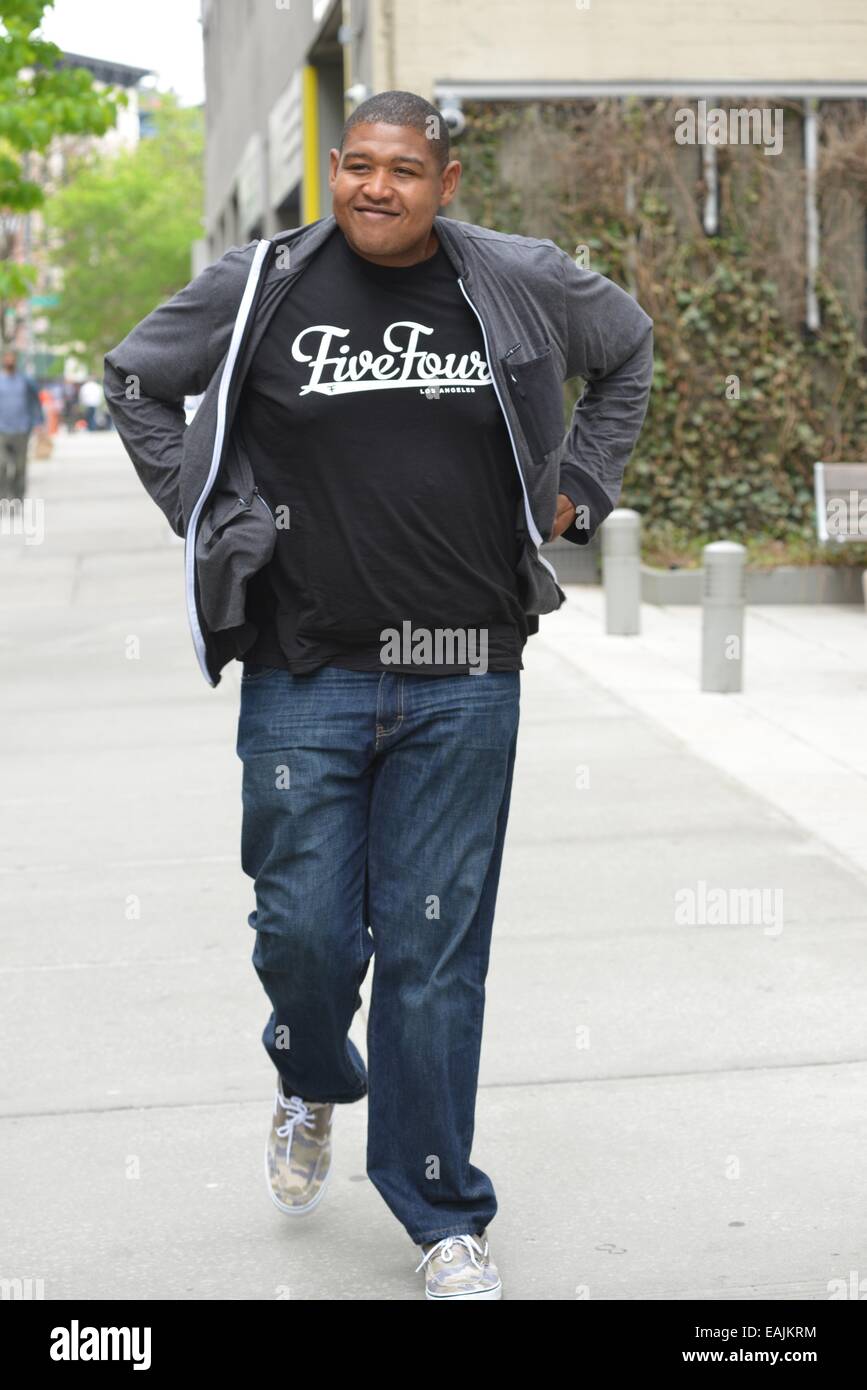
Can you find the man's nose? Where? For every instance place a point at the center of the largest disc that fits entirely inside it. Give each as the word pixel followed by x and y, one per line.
pixel 377 187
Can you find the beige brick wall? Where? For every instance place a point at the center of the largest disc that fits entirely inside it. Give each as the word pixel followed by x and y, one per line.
pixel 417 44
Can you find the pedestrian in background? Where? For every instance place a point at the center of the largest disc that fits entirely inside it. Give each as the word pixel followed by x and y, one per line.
pixel 20 412
pixel 70 405
pixel 91 399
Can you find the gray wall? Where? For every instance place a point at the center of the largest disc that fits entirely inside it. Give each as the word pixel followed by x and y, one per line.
pixel 251 50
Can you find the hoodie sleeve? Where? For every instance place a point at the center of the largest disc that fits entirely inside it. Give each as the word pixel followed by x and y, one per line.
pixel 609 341
pixel 170 354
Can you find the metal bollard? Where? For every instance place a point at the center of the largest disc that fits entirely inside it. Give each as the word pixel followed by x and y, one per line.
pixel 621 571
pixel 722 619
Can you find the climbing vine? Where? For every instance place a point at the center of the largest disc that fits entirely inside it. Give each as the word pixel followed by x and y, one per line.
pixel 745 399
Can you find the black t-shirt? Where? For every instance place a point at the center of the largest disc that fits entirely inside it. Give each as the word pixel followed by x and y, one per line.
pixel 376 438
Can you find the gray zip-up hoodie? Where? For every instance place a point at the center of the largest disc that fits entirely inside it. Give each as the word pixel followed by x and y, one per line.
pixel 543 320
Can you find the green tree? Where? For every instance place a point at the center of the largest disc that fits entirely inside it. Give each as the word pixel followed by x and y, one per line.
pixel 38 102
pixel 121 232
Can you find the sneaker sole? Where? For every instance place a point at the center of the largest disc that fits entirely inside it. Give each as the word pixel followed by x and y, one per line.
pixel 495 1292
pixel 293 1211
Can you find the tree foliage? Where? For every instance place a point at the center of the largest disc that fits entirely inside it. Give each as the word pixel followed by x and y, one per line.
pixel 122 229
pixel 38 101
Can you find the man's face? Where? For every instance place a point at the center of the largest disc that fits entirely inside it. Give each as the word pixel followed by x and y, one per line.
pixel 391 169
pixel 9 360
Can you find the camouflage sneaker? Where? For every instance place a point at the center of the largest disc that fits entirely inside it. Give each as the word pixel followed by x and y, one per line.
pixel 460 1267
pixel 298 1152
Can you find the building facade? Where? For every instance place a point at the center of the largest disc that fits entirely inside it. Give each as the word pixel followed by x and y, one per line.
pixel 281 78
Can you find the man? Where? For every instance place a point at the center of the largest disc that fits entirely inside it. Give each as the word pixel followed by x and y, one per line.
pixel 70 405
pixel 376 458
pixel 20 411
pixel 90 398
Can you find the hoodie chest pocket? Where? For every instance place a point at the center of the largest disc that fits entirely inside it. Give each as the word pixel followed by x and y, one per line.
pixel 537 395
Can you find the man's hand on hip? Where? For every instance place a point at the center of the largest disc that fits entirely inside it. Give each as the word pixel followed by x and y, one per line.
pixel 566 512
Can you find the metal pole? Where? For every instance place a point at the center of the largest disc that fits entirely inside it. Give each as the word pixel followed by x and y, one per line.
pixel 811 161
pixel 621 571
pixel 29 362
pixel 722 628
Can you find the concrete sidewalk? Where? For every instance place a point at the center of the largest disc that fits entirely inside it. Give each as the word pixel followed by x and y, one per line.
pixel 667 1111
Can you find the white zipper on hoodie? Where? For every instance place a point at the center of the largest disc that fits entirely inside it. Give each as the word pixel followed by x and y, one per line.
pixel 531 525
pixel 222 399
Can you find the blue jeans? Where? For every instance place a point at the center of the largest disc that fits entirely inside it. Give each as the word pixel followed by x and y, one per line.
pixel 374 813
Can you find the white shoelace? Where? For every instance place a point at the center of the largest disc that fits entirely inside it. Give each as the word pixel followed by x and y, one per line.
pixel 444 1247
pixel 297 1113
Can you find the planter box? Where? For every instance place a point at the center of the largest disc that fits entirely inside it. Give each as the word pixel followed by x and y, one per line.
pixel 582 564
pixel 671 586
pixel 575 564
pixel 785 584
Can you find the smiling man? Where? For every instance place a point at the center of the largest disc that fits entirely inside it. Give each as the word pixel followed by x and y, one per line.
pixel 363 492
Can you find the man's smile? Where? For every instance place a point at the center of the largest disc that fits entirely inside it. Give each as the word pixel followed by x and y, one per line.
pixel 374 214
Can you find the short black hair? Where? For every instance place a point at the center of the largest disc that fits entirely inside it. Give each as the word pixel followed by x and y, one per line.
pixel 404 108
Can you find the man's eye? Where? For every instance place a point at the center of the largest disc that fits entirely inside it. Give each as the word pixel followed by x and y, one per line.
pixel 358 168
